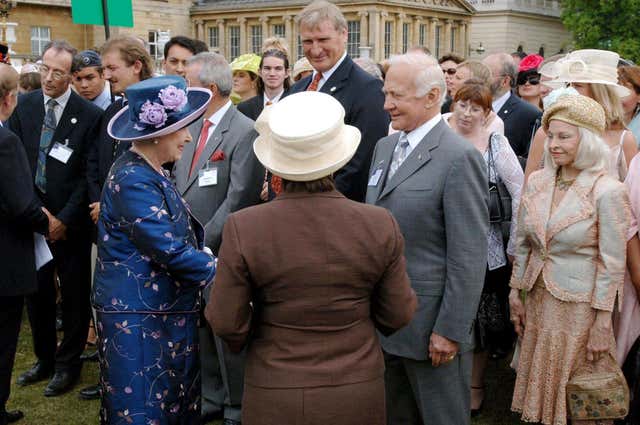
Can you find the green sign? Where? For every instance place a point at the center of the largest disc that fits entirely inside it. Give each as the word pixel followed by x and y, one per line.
pixel 89 12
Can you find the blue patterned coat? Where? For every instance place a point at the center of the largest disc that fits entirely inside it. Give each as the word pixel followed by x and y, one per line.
pixel 148 277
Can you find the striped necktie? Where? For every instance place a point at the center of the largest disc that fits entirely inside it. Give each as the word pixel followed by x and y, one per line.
pixel 48 128
pixel 400 153
pixel 314 83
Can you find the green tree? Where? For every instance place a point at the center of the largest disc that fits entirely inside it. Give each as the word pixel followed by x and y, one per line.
pixel 604 24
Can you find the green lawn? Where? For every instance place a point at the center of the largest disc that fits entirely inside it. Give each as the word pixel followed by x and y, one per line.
pixel 69 410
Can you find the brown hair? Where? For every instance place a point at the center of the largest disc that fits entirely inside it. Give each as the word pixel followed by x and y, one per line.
pixel 451 57
pixel 131 50
pixel 30 81
pixel 476 91
pixel 275 53
pixel 324 184
pixel 630 75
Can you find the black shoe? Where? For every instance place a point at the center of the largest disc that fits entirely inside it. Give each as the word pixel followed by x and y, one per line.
pixel 211 416
pixel 476 412
pixel 90 393
pixel 230 422
pixel 39 372
pixel 62 381
pixel 11 417
pixel 91 357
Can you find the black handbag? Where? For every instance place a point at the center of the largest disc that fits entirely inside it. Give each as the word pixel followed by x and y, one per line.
pixel 499 198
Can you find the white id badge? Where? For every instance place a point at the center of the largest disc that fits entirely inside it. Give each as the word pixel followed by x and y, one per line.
pixel 375 177
pixel 61 152
pixel 207 177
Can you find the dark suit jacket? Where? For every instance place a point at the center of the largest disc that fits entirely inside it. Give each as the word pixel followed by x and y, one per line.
pixel 20 216
pixel 319 291
pixel 519 123
pixel 101 155
pixel 252 108
pixel 66 196
pixel 361 96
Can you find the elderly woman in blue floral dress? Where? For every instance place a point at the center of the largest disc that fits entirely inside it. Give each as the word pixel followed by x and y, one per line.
pixel 150 265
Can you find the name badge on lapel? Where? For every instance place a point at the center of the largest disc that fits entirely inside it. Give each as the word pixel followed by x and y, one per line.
pixel 61 152
pixel 208 176
pixel 375 177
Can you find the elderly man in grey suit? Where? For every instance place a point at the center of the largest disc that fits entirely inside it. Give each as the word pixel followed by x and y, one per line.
pixel 435 184
pixel 217 176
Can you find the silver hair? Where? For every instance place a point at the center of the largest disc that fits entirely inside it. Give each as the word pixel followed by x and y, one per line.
pixel 428 73
pixel 592 152
pixel 319 11
pixel 215 70
pixel 370 66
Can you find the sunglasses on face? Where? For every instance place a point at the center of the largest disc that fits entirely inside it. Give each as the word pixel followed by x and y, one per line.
pixel 534 80
pixel 450 71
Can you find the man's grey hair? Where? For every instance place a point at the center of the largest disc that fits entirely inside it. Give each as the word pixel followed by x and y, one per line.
pixel 319 11
pixel 369 66
pixel 428 73
pixel 215 70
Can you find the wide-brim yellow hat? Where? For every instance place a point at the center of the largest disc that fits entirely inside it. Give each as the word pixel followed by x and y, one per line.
pixel 303 137
pixel 577 110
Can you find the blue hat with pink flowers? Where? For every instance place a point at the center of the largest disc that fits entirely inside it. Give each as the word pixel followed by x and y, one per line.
pixel 157 107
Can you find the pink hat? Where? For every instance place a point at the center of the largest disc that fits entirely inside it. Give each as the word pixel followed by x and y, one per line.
pixel 530 62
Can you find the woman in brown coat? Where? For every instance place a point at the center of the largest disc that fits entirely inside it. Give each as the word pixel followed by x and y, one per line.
pixel 304 281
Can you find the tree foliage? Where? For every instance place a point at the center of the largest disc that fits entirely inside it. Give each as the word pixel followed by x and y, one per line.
pixel 604 24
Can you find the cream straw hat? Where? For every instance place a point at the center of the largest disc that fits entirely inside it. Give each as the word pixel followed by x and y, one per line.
pixel 303 137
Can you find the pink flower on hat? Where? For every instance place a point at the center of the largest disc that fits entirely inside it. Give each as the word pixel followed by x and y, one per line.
pixel 153 114
pixel 173 98
pixel 530 62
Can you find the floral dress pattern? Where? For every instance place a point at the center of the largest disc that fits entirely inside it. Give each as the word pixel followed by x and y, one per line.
pixel 149 273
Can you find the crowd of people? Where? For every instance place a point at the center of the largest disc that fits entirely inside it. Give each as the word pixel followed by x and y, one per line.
pixel 327 240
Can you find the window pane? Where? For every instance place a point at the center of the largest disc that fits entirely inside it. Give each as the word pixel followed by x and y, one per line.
pixel 405 38
pixel 423 35
pixel 256 39
pixel 387 39
pixel 279 30
pixel 437 42
pixel 353 39
pixel 213 37
pixel 234 42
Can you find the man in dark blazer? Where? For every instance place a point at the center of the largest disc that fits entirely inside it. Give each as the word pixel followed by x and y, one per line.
pixel 56 127
pixel 324 45
pixel 434 182
pixel 519 117
pixel 20 216
pixel 222 147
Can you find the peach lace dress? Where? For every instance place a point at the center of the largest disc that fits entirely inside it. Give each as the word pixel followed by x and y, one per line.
pixel 553 347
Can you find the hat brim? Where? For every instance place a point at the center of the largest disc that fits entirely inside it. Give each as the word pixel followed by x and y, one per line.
pixel 321 167
pixel 122 128
pixel 621 91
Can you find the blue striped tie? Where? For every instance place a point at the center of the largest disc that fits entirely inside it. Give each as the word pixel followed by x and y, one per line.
pixel 48 128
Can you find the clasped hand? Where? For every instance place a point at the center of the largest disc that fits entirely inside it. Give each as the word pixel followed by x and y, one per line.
pixel 441 350
pixel 57 229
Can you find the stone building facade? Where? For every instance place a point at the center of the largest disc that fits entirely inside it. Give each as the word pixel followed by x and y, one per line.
pixel 375 29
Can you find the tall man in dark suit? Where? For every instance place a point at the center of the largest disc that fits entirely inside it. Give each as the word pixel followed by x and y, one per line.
pixel 435 184
pixel 519 116
pixel 218 174
pixel 56 127
pixel 20 215
pixel 323 33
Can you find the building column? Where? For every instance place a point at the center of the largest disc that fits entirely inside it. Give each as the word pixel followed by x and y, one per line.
pixel 288 33
pixel 199 29
pixel 243 35
pixel 432 35
pixel 415 39
pixel 447 36
pixel 462 39
pixel 221 37
pixel 398 44
pixel 364 28
pixel 374 34
pixel 264 20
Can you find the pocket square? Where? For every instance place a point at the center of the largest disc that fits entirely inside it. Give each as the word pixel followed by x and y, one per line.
pixel 217 156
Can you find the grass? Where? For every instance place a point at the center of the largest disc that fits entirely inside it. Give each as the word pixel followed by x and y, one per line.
pixel 70 410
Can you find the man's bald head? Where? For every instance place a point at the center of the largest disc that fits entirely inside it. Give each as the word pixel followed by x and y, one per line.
pixel 504 72
pixel 8 90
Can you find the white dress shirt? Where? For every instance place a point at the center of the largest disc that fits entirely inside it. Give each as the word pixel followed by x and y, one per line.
pixel 62 103
pixel 275 99
pixel 416 135
pixel 216 117
pixel 327 74
pixel 499 102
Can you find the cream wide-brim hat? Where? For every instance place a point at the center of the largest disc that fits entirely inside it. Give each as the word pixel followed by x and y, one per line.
pixel 590 66
pixel 303 137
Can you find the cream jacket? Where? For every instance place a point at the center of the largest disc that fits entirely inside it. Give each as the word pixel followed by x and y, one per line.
pixel 580 248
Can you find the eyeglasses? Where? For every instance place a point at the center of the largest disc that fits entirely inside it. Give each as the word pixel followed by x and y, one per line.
pixel 534 80
pixel 55 75
pixel 450 71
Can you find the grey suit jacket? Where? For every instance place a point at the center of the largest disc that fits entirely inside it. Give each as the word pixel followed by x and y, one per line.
pixel 439 196
pixel 240 175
